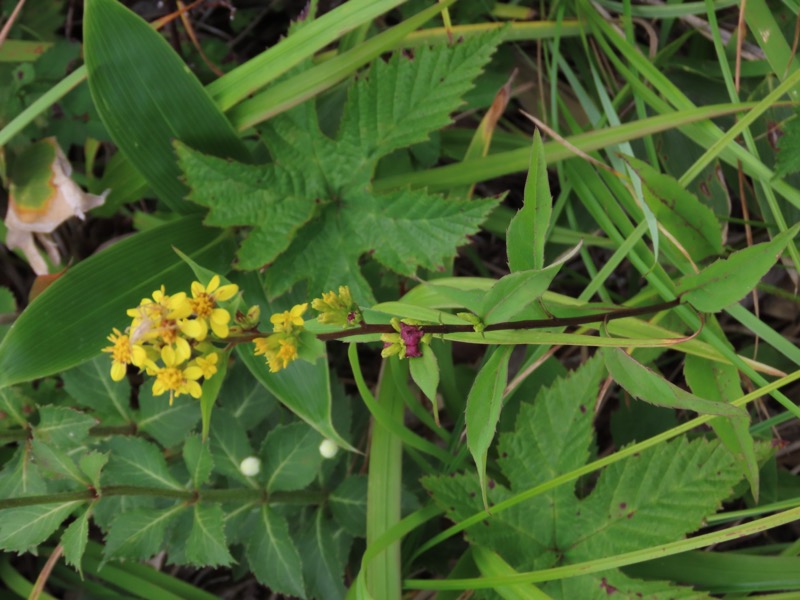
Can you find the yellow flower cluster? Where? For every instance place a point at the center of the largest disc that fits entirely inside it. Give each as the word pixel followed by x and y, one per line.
pixel 169 338
pixel 280 348
pixel 338 309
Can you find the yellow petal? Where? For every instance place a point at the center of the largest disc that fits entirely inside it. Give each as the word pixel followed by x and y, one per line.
pixel 226 292
pixel 118 371
pixel 213 284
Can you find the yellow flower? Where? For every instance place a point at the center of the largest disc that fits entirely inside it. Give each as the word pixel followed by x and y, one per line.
pixel 338 309
pixel 174 379
pixel 207 364
pixel 204 306
pixel 279 350
pixel 286 321
pixel 123 353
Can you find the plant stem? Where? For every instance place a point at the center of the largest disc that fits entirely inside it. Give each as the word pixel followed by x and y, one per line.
pixel 621 313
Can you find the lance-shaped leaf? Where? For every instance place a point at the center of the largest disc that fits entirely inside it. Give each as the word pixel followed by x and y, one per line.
pixel 693 225
pixel 272 554
pixel 24 528
pixel 527 231
pixel 147 97
pixel 75 538
pixel 647 385
pixel 484 404
pixel 93 296
pixel 206 545
pixel 728 280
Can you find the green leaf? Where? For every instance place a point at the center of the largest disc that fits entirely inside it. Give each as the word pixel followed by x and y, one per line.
pixel 134 461
pixel 90 385
pixel 272 554
pixel 75 538
pixel 229 445
pixel 324 548
pixel 56 460
pixel 348 503
pixel 206 545
pixel 425 373
pixel 25 527
pixel 726 281
pixel 789 149
pixel 514 292
pixel 527 231
pixel 719 381
pixel 197 456
pixel 692 224
pixel 647 385
pixel 61 426
pixel 484 404
pixel 93 296
pixel 167 424
pixel 210 391
pixel 21 477
pixel 147 97
pixel 291 457
pixel 91 465
pixel 12 404
pixel 401 101
pixel 139 534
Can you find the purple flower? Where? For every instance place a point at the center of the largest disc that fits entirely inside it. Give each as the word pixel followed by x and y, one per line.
pixel 411 336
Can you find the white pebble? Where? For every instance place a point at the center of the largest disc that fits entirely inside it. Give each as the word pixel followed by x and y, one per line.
pixel 250 466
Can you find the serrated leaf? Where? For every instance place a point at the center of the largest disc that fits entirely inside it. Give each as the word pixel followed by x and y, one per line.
pixel 245 397
pixel 728 280
pixel 484 404
pixel 21 477
pixel 403 230
pixel 206 545
pixel 56 460
pixel 324 548
pixel 139 534
pixel 229 445
pixel 91 465
pixel 167 424
pixel 692 224
pixel 198 459
pixel 291 457
pixel 527 231
pixel 120 275
pixel 25 527
pixel 348 503
pixel 61 426
pixel 11 403
pixel 91 386
pixel 641 382
pixel 134 461
pixel 720 381
pixel 272 554
pixel 147 97
pixel 401 101
pixel 75 538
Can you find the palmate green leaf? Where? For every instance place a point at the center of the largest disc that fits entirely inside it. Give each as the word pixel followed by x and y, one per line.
pixel 25 527
pixel 206 545
pixel 134 461
pixel 138 534
pixel 93 296
pixel 399 102
pixel 75 538
pixel 693 225
pixel 484 404
pixel 290 457
pixel 720 381
pixel 324 547
pixel 62 426
pixel 727 280
pixel 651 498
pixel 527 231
pixel 272 554
pixel 147 97
pixel 198 459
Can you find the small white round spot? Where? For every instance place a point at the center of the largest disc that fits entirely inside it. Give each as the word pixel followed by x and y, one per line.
pixel 328 448
pixel 250 466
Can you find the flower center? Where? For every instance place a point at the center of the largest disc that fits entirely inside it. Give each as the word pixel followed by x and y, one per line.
pixel 171 378
pixel 202 305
